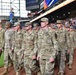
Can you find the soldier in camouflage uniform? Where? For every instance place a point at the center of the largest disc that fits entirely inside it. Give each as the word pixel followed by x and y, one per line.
pixel 30 49
pixel 8 47
pixel 67 29
pixel 47 45
pixel 71 43
pixel 18 53
pixel 61 38
pixel 36 29
pixel 1 38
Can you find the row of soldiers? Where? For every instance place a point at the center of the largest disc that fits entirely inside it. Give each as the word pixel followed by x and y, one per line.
pixel 36 49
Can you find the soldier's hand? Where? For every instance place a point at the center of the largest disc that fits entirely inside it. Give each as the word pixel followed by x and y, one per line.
pixel 38 57
pixel 51 60
pixel 34 57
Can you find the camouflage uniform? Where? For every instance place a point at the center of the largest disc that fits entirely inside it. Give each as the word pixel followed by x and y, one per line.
pixel 61 38
pixel 18 53
pixel 67 28
pixel 29 47
pixel 8 46
pixel 46 49
pixel 37 67
pixel 71 43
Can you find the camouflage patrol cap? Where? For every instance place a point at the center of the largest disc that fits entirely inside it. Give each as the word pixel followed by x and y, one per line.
pixel 59 22
pixel 27 24
pixel 16 23
pixel 44 19
pixel 35 24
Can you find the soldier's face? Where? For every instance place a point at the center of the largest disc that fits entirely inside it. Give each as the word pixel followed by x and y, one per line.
pixel 7 26
pixel 17 27
pixel 43 24
pixel 67 29
pixel 59 25
pixel 28 27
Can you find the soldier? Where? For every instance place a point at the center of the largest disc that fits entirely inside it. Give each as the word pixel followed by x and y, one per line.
pixel 71 43
pixel 47 45
pixel 36 29
pixel 18 53
pixel 30 49
pixel 67 29
pixel 8 47
pixel 61 38
pixel 1 38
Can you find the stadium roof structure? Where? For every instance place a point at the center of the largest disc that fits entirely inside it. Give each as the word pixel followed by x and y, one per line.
pixel 53 9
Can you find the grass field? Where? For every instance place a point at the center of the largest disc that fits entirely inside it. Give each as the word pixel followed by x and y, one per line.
pixel 2 60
